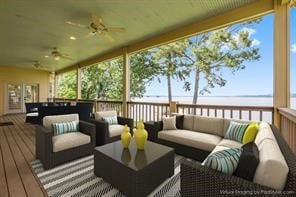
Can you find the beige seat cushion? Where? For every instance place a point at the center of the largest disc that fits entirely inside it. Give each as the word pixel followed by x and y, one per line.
pixel 69 140
pixel 49 120
pixel 230 143
pixel 115 130
pixel 194 139
pixel 188 122
pixel 219 148
pixel 209 125
pixel 103 114
pixel 33 114
pixel 272 170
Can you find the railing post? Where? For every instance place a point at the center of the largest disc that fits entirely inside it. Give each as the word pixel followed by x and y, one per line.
pixel 126 82
pixel 281 59
pixel 173 107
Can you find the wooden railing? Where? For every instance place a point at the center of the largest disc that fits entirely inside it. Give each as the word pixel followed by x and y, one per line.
pixel 150 111
pixel 147 111
pixel 288 126
pixel 256 113
pixel 108 106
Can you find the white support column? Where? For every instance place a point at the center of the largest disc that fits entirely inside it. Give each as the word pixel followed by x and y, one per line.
pixel 78 82
pixel 281 58
pixel 126 82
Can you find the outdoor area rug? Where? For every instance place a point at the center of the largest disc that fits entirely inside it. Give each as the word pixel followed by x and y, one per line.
pixel 78 179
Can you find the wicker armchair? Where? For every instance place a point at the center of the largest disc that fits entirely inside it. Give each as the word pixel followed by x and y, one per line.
pixel 197 180
pixel 45 151
pixel 103 129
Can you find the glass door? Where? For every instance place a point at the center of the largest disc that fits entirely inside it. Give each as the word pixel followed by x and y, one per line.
pixel 15 104
pixel 19 94
pixel 31 93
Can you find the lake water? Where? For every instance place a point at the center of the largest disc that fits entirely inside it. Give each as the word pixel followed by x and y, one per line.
pixel 238 101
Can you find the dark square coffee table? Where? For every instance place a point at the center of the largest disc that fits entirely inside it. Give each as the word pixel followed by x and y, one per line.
pixel 133 172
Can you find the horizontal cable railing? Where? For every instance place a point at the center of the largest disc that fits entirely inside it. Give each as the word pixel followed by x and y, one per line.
pixel 152 111
pixel 255 113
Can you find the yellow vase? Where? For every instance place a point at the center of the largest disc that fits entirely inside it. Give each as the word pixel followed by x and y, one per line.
pixel 126 137
pixel 141 136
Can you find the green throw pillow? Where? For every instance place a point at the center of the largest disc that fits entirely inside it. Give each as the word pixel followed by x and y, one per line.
pixel 65 127
pixel 236 131
pixel 225 161
pixel 111 120
pixel 251 133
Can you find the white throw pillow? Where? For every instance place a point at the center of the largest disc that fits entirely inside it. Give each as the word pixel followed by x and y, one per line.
pixel 169 123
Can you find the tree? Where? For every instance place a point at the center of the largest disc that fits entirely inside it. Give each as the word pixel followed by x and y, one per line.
pixel 102 81
pixel 171 62
pixel 143 69
pixel 67 85
pixel 210 52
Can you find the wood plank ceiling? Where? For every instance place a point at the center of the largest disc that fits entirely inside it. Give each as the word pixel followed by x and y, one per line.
pixel 30 29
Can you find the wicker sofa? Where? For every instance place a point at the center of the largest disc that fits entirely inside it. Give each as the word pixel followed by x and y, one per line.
pixel 199 136
pixel 197 180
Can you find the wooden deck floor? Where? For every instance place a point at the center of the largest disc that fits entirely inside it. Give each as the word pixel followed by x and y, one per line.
pixel 17 149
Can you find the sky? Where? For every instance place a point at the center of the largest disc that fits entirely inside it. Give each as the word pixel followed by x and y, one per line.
pixel 255 79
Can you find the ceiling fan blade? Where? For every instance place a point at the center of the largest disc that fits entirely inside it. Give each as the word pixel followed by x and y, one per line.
pixel 116 29
pixel 97 20
pixel 90 34
pixel 108 37
pixel 64 56
pixel 76 24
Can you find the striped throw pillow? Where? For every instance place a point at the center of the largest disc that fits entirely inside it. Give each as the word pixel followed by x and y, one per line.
pixel 65 127
pixel 225 161
pixel 111 120
pixel 236 131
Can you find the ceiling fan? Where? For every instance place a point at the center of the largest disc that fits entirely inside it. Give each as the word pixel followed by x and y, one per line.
pixel 98 28
pixel 57 55
pixel 36 64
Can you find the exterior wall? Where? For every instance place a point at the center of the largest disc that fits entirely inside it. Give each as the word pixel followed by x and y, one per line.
pixel 18 75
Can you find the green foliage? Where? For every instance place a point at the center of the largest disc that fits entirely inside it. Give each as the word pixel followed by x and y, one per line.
pixel 227 48
pixel 143 70
pixel 67 85
pixel 171 61
pixel 102 81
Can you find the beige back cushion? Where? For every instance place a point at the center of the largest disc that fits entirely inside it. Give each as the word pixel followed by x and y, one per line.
pixel 188 122
pixel 272 170
pixel 103 114
pixel 209 125
pixel 49 120
pixel 264 133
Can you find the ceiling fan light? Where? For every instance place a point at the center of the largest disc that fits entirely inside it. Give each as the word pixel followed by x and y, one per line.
pixel 46 56
pixel 57 58
pixel 72 38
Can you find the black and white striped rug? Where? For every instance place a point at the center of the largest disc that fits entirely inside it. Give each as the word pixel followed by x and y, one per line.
pixel 78 179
